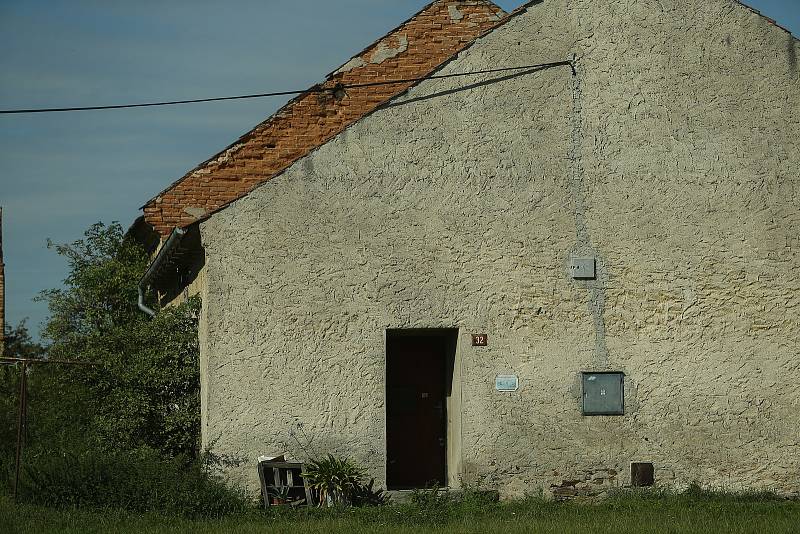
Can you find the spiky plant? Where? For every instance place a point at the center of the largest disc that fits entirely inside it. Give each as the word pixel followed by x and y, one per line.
pixel 366 495
pixel 333 478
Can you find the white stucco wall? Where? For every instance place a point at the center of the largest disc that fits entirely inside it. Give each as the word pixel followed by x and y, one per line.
pixel 672 156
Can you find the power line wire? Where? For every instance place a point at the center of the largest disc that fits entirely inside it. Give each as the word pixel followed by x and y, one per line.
pixel 314 89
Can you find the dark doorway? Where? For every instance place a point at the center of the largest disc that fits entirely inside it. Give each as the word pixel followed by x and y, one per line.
pixel 419 374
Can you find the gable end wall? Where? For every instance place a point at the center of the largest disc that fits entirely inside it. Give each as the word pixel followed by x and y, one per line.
pixel 672 158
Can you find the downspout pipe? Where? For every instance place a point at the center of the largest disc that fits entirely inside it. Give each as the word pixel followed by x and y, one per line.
pixel 140 302
pixel 173 241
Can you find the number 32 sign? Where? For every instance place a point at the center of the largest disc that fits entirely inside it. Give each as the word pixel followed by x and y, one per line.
pixel 479 340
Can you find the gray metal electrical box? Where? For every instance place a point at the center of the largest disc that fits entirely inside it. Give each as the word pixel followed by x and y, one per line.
pixel 603 394
pixel 582 268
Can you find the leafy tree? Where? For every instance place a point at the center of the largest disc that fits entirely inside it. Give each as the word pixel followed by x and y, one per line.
pixel 122 429
pixel 19 344
pixel 142 387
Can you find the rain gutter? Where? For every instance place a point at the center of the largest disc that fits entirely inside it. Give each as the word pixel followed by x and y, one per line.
pixel 163 255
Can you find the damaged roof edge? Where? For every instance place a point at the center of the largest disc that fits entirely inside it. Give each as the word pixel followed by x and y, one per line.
pixel 397 28
pixel 233 146
pixel 248 134
pixel 521 9
pixel 524 7
pixel 438 68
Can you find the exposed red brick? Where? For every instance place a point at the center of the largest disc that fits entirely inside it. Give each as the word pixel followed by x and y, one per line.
pixel 310 120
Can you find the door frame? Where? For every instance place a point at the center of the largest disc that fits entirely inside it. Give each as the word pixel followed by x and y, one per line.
pixel 453 398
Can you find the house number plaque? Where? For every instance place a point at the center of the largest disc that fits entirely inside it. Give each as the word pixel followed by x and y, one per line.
pixel 479 340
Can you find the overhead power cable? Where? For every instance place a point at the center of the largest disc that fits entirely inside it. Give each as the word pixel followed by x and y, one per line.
pixel 314 89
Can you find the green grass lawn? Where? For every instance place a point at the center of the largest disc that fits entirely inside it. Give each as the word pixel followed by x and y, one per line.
pixel 638 512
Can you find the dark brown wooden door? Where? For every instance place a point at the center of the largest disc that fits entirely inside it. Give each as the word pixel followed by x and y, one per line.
pixel 416 421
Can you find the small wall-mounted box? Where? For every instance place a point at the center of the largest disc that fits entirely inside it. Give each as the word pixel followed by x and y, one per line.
pixel 582 268
pixel 603 394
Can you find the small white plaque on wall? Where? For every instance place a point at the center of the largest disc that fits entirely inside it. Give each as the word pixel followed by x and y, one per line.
pixel 506 383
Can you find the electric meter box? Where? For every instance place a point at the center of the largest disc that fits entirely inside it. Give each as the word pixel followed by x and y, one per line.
pixel 603 394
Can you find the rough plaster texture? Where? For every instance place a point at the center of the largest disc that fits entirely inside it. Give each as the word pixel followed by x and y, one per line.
pixel 672 156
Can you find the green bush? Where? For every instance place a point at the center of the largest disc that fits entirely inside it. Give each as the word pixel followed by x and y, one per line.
pixel 122 432
pixel 136 481
pixel 143 387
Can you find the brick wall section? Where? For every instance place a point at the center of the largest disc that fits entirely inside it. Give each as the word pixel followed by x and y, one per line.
pixel 417 47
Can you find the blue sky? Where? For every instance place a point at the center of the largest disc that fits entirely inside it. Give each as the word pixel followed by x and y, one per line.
pixel 59 173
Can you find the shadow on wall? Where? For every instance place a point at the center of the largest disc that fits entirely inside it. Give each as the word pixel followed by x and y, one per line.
pixel 475 85
pixel 791 52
